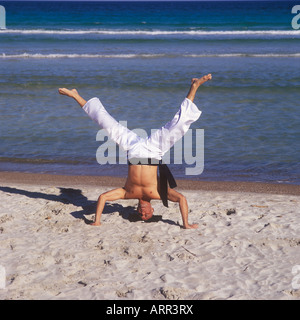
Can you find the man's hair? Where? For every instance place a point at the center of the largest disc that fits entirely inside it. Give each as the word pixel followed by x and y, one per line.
pixel 146 208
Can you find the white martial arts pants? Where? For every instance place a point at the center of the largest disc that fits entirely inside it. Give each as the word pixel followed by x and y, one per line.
pixel 156 145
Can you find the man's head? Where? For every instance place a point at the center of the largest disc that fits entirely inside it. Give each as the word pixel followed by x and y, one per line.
pixel 145 210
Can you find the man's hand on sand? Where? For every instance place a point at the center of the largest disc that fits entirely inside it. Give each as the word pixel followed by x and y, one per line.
pixel 95 224
pixel 191 226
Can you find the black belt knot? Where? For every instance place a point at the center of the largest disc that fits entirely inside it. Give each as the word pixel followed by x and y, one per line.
pixel 165 177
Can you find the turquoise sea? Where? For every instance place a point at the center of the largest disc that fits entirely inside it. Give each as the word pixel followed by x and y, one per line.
pixel 138 58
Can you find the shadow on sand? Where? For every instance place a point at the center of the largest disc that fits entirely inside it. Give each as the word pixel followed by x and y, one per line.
pixel 76 198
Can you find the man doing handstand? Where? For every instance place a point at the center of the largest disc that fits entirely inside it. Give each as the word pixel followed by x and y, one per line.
pixel 145 155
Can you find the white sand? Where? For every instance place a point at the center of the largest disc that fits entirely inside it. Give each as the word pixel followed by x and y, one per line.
pixel 49 252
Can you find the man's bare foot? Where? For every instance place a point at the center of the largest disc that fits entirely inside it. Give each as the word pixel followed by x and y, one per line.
pixel 198 81
pixel 70 93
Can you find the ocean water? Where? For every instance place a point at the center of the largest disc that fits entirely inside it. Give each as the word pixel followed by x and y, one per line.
pixel 138 58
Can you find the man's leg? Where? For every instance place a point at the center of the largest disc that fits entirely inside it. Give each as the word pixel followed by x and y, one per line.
pixel 163 139
pixel 73 94
pixel 121 135
pixel 196 83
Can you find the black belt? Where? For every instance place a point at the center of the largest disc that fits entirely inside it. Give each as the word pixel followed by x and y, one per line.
pixel 165 175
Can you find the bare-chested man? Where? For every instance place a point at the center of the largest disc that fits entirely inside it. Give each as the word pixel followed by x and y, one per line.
pixel 142 182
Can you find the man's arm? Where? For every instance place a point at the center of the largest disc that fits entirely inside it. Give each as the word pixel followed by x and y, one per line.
pixel 178 197
pixel 111 195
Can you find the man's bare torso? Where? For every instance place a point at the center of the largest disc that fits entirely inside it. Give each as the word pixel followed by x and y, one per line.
pixel 142 182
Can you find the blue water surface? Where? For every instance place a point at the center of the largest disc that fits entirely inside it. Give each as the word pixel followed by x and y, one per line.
pixel 138 58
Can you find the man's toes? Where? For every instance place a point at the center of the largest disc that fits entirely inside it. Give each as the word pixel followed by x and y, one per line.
pixel 207 77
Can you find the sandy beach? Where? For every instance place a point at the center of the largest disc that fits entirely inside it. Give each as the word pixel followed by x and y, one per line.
pixel 246 247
